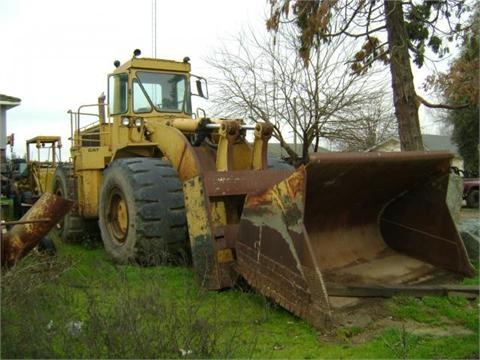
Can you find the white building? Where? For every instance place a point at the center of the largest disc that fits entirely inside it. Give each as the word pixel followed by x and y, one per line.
pixel 6 103
pixel 430 142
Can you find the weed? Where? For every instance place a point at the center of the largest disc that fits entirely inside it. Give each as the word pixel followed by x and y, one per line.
pixel 347 332
pixel 400 342
pixel 125 314
pixel 92 308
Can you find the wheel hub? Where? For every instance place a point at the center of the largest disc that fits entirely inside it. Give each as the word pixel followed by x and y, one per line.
pixel 118 216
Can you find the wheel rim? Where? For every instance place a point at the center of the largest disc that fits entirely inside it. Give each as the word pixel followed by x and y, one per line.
pixel 117 216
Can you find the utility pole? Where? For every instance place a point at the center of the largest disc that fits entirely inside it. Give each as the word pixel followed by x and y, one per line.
pixel 154 28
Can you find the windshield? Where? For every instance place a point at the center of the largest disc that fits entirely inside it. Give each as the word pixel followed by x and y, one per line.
pixel 165 91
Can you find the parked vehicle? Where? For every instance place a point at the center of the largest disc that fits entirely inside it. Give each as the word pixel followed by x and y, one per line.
pixel 470 191
pixel 470 187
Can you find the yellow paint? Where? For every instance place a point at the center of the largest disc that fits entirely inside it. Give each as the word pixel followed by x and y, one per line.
pixel 218 213
pixel 92 157
pixel 197 213
pixel 153 64
pixel 222 154
pixel 89 185
pixel 224 256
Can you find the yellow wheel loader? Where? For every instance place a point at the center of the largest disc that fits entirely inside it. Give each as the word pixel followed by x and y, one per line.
pixel 163 181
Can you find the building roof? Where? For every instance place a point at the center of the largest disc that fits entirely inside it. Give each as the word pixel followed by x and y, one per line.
pixel 275 150
pixel 430 142
pixel 439 142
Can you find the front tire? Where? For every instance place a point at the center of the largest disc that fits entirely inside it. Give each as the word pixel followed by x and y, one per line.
pixel 142 212
pixel 72 226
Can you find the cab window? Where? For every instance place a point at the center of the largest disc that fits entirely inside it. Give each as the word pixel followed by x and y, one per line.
pixel 118 94
pixel 140 99
pixel 167 92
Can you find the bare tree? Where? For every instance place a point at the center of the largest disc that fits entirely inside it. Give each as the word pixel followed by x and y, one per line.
pixel 367 126
pixel 266 80
pixel 411 27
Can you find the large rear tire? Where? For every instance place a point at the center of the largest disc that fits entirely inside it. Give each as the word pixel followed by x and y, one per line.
pixel 142 212
pixel 72 227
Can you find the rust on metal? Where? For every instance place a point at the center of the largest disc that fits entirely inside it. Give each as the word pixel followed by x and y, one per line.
pixel 382 217
pixel 274 251
pixel 263 132
pixel 17 222
pixel 349 218
pixel 242 182
pixel 214 202
pixel 386 291
pixel 35 224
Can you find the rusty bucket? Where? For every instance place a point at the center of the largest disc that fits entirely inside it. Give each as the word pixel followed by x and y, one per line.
pixel 35 224
pixel 349 218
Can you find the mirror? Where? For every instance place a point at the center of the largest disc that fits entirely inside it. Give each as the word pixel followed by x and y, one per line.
pixel 200 87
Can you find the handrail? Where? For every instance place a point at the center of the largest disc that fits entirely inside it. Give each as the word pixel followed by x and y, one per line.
pixel 75 127
pixel 89 125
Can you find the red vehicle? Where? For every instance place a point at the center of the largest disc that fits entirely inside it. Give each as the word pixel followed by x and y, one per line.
pixel 470 191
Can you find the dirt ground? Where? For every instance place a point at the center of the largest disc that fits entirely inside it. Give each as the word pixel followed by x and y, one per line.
pixel 372 317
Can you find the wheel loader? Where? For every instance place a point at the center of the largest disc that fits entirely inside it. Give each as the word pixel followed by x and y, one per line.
pixel 163 181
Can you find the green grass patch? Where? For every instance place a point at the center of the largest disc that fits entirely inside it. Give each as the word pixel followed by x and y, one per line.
pixel 437 310
pixel 81 305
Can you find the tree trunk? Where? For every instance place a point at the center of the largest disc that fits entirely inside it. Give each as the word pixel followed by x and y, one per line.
pixel 291 153
pixel 404 95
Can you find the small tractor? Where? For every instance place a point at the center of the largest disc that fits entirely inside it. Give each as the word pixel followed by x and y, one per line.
pixel 31 210
pixel 25 180
pixel 164 183
pixel 37 178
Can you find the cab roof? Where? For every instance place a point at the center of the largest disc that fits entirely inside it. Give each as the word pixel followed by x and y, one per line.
pixel 153 64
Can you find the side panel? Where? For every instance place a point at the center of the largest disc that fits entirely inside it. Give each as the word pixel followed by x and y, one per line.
pixel 89 163
pixel 89 183
pixel 90 158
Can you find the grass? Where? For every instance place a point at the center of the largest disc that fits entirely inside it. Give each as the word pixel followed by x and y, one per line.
pixel 80 305
pixel 439 310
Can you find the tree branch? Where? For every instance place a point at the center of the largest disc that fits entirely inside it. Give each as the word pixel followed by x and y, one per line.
pixel 421 100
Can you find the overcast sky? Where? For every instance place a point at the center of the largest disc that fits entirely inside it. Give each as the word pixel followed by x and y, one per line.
pixel 56 54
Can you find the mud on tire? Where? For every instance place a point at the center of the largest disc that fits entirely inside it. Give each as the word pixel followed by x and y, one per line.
pixel 72 227
pixel 142 212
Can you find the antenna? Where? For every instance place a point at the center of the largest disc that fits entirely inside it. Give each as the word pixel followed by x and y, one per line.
pixel 154 28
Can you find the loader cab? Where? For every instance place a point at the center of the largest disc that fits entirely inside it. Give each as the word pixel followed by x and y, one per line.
pixel 150 92
pixel 148 87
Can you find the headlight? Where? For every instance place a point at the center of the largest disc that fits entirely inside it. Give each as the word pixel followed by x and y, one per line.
pixel 138 122
pixel 125 121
